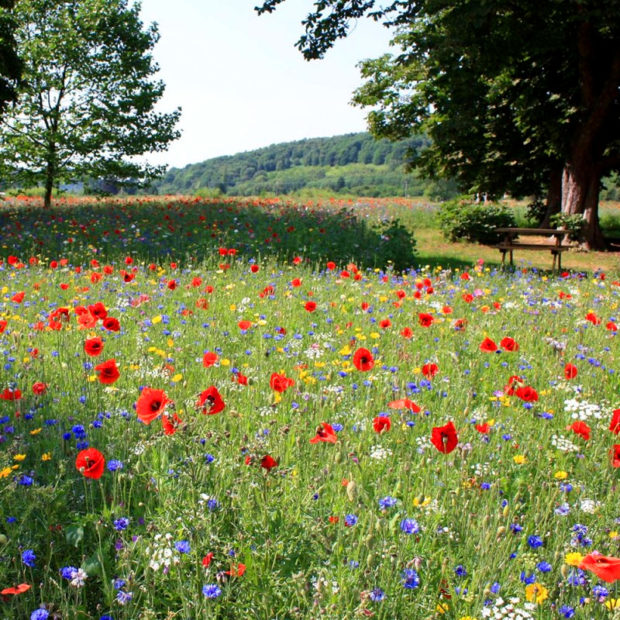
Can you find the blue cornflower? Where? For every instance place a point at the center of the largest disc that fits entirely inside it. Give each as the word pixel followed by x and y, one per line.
pixel 411 579
pixel 527 579
pixel 124 597
pixel 106 617
pixel 600 591
pixel 25 481
pixel 460 571
pixel 119 584
pixel 68 572
pixel 387 502
pixel 576 578
pixel 211 590
pixel 28 557
pixel 377 595
pixel 409 526
pixel 213 504
pixel 114 465
pixel 121 524
pixel 495 588
pixel 566 611
pixel 544 567
pixel 534 542
pixel 350 520
pixel 39 614
pixel 182 546
pixel 515 528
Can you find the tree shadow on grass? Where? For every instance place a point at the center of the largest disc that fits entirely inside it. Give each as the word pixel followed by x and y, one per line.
pixel 158 232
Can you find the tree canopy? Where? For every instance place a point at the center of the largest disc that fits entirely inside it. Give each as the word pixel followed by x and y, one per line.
pixel 517 96
pixel 10 64
pixel 86 105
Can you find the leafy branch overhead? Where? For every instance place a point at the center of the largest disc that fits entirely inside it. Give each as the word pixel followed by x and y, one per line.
pixel 87 105
pixel 516 96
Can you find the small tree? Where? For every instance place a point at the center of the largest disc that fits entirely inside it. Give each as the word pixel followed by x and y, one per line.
pixel 86 108
pixel 10 65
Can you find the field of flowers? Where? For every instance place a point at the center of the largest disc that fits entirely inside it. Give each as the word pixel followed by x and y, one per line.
pixel 225 410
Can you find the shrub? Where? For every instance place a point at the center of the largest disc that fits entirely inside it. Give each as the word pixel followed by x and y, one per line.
pixel 460 219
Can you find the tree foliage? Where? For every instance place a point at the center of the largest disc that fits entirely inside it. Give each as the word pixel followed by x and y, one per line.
pixel 86 107
pixel 352 164
pixel 10 64
pixel 516 96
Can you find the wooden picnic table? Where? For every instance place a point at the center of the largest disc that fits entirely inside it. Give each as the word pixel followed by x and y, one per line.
pixel 510 242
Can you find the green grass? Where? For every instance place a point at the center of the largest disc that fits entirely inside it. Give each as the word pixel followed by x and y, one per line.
pixel 319 532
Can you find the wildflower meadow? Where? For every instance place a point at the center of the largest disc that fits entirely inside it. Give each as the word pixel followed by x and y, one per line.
pixel 225 409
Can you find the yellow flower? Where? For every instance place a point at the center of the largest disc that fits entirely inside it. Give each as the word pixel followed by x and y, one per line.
pixel 613 603
pixel 560 475
pixel 573 559
pixel 35 431
pixel 47 456
pixel 442 608
pixel 467 618
pixel 19 457
pixel 4 473
pixel 536 592
pixel 519 459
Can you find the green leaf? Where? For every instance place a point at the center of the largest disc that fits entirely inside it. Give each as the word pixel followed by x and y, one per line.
pixel 74 535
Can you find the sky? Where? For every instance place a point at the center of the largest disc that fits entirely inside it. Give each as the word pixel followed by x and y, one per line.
pixel 242 84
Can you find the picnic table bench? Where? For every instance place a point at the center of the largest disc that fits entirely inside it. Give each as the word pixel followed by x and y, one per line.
pixel 510 242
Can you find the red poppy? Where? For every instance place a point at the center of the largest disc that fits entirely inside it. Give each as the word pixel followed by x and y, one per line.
pixel 244 325
pixel 295 282
pixel 239 378
pixel 90 463
pixel 430 370
pixel 382 423
pixel 207 559
pixel 325 433
pixel 483 429
pixel 406 332
pixel 87 321
pixel 268 462
pixel 107 371
pixel 404 403
pixel 444 438
pixel 280 383
pixel 39 388
pixel 570 371
pixel 513 383
pixel 385 323
pixel 580 428
pixel 209 358
pixel 527 394
pixel 211 401
pixel 21 588
pixel 93 346
pixel 488 346
pixel 8 394
pixel 593 318
pixel 615 455
pixel 363 360
pixel 611 326
pixel 310 306
pixel 508 344
pixel 447 310
pixel 236 571
pixel 111 324
pixel 98 310
pixel 172 284
pixel 425 319
pixel 170 424
pixel 468 298
pixel 614 425
pixel 151 404
pixel 3 325
pixel 331 265
pixel 604 567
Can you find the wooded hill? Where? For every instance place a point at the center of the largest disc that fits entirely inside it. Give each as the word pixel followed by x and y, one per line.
pixel 349 164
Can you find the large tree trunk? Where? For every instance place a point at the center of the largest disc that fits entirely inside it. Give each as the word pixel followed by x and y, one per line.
pixel 554 197
pixel 580 191
pixel 50 175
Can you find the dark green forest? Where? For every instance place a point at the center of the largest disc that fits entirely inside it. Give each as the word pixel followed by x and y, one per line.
pixel 349 164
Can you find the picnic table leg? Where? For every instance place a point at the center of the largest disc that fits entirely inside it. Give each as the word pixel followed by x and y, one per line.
pixel 511 258
pixel 555 256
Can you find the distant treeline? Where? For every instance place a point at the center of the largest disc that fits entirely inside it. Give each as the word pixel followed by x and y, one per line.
pixel 349 164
